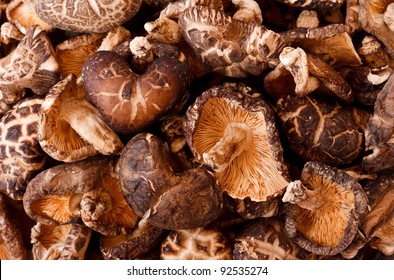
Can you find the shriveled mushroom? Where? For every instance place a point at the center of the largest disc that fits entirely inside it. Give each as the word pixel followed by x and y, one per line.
pixel 128 102
pixel 95 16
pixel 132 245
pixel 166 199
pixel 250 209
pixel 265 239
pixel 196 244
pixel 11 242
pixel 87 189
pixel 321 129
pixel 377 224
pixel 380 131
pixel 229 46
pixel 232 129
pixel 22 14
pixel 71 128
pixel 9 32
pixel 62 242
pixel 323 209
pixel 32 64
pixel 21 156
pixel 314 4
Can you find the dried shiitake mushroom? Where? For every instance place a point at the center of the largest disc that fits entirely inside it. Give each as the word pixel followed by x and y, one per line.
pixel 129 102
pixel 12 246
pixel 21 156
pixel 95 16
pixel 232 129
pixel 323 209
pixel 62 242
pixel 166 199
pixel 266 239
pixel 229 46
pixel 71 128
pixel 196 244
pixel 32 64
pixel 313 4
pixel 321 129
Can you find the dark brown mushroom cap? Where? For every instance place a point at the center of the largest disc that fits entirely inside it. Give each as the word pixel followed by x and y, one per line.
pixel 196 244
pixel 320 129
pixel 168 200
pixel 324 210
pixel 229 46
pixel 53 196
pixel 266 239
pixel 87 16
pixel 21 156
pixel 11 241
pixel 127 102
pixel 132 245
pixel 257 170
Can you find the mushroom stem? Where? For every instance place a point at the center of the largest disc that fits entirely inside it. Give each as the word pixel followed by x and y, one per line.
pixel 297 193
pixel 236 138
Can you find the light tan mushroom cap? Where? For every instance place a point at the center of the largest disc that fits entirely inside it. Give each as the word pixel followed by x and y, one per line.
pixel 235 134
pixel 196 244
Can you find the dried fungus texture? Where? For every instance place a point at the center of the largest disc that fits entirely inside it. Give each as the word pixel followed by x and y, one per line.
pixel 321 129
pixel 229 46
pixel 95 16
pixel 324 208
pixel 21 156
pixel 235 133
pixel 314 4
pixel 196 244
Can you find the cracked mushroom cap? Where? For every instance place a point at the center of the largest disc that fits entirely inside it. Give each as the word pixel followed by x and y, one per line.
pixel 71 128
pixel 129 102
pixel 88 189
pixel 266 239
pixel 62 242
pixel 166 199
pixel 323 209
pixel 196 244
pixel 95 16
pixel 21 156
pixel 233 131
pixel 11 242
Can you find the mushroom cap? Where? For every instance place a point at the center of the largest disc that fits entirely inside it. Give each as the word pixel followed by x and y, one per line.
pixel 323 216
pixel 87 16
pixel 259 171
pixel 127 102
pixel 196 244
pixel 320 129
pixel 21 156
pixel 11 241
pixel 166 199
pixel 265 239
pixel 63 242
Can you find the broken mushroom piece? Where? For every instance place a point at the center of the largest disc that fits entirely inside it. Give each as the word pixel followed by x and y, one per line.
pixel 62 242
pixel 323 209
pixel 321 129
pixel 166 199
pixel 32 64
pixel 128 102
pixel 12 246
pixel 96 16
pixel 196 244
pixel 232 130
pixel 229 46
pixel 71 128
pixel 265 239
pixel 21 156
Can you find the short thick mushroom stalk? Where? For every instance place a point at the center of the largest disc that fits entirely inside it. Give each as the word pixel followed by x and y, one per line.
pixel 323 208
pixel 166 199
pixel 232 130
pixel 129 102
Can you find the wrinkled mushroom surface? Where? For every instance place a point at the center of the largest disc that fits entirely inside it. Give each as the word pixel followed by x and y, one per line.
pixel 234 133
pixel 323 210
